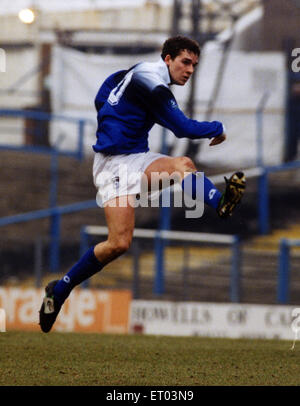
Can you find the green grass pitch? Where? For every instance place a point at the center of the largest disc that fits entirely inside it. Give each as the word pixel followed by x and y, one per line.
pixel 67 359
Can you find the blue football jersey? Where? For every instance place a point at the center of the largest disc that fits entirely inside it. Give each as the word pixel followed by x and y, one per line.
pixel 130 102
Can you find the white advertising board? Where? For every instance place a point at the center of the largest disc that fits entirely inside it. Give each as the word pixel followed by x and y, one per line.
pixel 213 320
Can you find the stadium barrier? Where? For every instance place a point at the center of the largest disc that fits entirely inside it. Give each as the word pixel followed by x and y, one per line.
pixel 115 312
pixel 263 192
pixel 230 320
pixel 158 237
pixel 55 213
pixel 86 310
pixel 80 123
pixel 284 271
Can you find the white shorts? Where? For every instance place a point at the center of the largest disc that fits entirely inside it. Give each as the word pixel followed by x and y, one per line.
pixel 119 175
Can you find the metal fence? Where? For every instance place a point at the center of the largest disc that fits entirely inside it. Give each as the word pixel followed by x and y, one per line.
pixel 37 142
pixel 160 239
pixel 284 269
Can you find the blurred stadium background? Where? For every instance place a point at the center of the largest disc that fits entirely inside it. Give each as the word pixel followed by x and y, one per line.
pixel 53 69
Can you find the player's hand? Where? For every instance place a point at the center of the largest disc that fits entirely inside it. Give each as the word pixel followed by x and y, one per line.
pixel 217 140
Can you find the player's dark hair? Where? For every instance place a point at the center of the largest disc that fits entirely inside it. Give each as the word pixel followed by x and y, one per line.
pixel 174 45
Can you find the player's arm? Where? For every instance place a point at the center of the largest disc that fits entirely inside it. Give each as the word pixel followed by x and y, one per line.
pixel 167 113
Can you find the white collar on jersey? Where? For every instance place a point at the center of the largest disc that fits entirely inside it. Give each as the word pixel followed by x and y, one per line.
pixel 153 74
pixel 164 71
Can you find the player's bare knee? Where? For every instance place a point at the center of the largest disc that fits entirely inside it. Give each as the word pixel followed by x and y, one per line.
pixel 185 164
pixel 120 245
pixel 188 164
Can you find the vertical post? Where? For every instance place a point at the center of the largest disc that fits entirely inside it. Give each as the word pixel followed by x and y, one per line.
pixel 54 219
pixel 283 272
pixel 263 198
pixel 263 203
pixel 55 240
pixel 136 268
pixel 84 246
pixel 176 17
pixel 53 178
pixel 165 212
pixel 235 271
pixel 185 272
pixel 80 152
pixel 38 261
pixel 159 285
pixel 84 242
pixel 259 128
pixel 259 141
pixel 195 18
pixel 164 224
pixel 44 56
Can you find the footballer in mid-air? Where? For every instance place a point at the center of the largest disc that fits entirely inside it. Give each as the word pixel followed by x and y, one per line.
pixel 128 104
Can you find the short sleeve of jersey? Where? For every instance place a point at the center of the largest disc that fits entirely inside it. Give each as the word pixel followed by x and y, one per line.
pixel 107 86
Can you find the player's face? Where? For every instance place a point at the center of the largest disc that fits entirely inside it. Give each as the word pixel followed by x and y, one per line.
pixel 182 67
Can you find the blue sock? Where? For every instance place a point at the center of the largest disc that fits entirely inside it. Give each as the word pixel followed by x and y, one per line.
pixel 87 266
pixel 212 195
